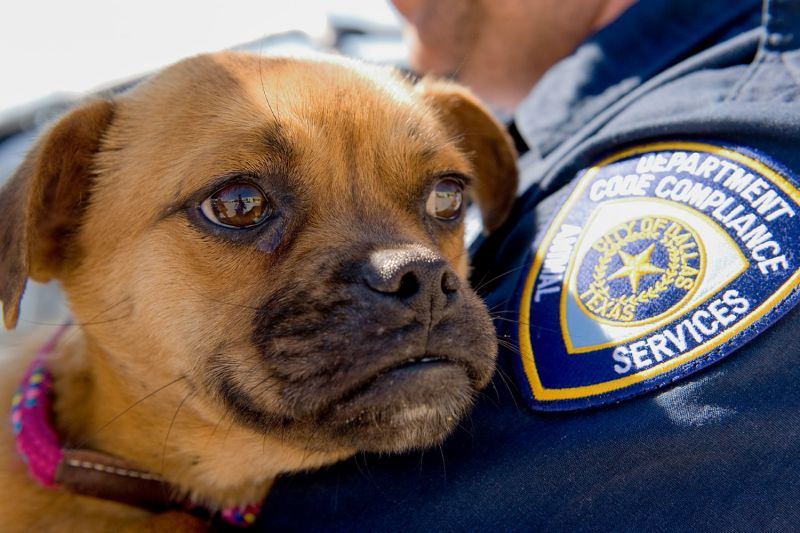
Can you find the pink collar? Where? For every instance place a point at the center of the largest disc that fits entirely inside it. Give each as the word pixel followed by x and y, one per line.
pixel 84 471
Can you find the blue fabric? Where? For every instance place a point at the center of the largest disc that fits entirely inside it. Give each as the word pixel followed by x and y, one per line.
pixel 717 450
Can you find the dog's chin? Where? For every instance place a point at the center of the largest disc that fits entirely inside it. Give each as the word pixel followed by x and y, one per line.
pixel 413 405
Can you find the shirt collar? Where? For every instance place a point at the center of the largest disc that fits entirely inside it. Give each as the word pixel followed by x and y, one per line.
pixel 649 37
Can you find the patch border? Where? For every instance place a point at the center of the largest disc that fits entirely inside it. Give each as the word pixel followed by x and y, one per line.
pixel 542 394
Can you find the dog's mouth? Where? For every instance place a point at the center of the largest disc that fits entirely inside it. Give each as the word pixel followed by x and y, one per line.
pixel 396 374
pixel 414 361
pixel 415 402
pixel 416 364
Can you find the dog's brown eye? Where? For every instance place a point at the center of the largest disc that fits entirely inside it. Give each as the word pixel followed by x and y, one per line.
pixel 446 199
pixel 238 205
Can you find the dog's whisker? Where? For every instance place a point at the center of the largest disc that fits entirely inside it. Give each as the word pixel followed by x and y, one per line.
pixel 497 312
pixel 71 334
pixel 496 307
pixel 128 409
pixel 527 324
pixel 507 381
pixel 508 346
pixel 261 79
pixel 228 431
pixel 366 467
pixel 469 418
pixel 307 451
pixel 494 400
pixel 216 426
pixel 444 462
pixel 512 321
pixel 358 465
pixel 169 431
pixel 469 431
pixel 481 284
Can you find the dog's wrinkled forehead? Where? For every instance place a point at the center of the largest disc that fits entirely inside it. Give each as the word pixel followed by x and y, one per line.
pixel 322 125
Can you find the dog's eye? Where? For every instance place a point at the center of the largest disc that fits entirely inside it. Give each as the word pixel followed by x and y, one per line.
pixel 446 199
pixel 237 205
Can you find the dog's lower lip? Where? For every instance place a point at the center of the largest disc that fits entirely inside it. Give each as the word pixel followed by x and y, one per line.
pixel 399 373
pixel 419 361
pixel 364 398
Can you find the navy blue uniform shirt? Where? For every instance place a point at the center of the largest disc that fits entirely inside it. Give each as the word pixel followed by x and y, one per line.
pixel 658 212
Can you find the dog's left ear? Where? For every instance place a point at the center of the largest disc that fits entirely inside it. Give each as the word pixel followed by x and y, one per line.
pixel 42 203
pixel 485 141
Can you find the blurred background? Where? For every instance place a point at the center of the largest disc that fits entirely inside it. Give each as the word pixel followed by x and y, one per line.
pixel 54 53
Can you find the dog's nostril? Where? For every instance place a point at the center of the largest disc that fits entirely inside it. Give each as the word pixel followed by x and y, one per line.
pixel 409 285
pixel 404 285
pixel 450 282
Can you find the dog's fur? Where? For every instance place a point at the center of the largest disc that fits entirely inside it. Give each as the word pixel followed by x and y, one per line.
pixel 220 358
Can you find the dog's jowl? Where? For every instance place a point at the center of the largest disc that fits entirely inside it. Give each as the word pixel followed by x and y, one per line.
pixel 265 267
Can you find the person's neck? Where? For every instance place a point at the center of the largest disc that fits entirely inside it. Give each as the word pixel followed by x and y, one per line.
pixel 505 88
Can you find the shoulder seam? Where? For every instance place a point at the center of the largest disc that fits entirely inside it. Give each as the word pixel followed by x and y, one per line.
pixel 794 72
pixel 749 75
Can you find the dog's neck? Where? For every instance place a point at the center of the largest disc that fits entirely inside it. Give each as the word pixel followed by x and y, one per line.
pixel 214 460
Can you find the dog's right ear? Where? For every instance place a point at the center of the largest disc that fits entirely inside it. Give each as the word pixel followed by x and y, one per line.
pixel 42 203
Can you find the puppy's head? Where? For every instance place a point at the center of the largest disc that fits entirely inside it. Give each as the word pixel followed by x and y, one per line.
pixel 286 235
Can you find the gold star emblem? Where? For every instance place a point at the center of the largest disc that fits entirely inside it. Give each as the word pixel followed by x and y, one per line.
pixel 636 266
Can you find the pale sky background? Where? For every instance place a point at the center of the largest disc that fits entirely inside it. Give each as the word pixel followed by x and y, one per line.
pixel 74 46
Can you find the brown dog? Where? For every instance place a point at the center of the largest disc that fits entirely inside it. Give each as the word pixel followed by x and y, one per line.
pixel 264 260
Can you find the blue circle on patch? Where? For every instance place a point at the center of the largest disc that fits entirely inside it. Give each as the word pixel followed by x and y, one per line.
pixel 639 270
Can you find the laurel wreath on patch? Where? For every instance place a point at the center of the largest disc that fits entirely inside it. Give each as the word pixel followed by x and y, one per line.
pixel 662 285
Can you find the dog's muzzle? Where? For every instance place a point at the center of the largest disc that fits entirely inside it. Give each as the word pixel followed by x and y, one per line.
pixel 385 350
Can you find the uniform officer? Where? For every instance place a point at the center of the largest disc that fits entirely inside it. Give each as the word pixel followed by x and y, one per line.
pixel 644 287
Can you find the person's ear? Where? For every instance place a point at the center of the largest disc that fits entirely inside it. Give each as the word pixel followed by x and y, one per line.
pixel 485 141
pixel 43 201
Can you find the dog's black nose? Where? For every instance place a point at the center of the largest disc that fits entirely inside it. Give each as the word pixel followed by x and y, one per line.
pixel 415 275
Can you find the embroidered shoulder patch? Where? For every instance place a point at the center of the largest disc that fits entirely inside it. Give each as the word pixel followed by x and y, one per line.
pixel 664 259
